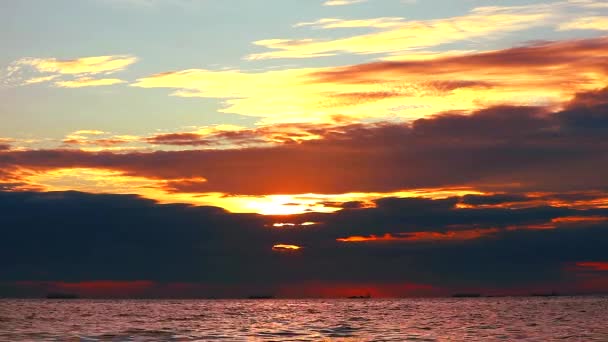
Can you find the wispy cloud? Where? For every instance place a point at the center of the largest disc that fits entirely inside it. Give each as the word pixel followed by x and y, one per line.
pixel 586 23
pixel 341 2
pixel 79 72
pixel 41 79
pixel 79 66
pixel 329 23
pixel 396 35
pixel 96 140
pixel 88 82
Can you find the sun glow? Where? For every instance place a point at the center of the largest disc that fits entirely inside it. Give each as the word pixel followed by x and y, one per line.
pixel 96 180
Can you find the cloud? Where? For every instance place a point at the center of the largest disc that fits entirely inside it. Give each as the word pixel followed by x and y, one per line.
pixel 107 246
pixel 89 132
pixel 88 82
pixel 546 73
pixel 480 23
pixel 597 266
pixel 5 144
pixel 586 23
pixel 342 2
pixel 96 140
pixel 41 79
pixel 230 136
pixel 81 72
pixel 79 66
pixel 498 149
pixel 329 23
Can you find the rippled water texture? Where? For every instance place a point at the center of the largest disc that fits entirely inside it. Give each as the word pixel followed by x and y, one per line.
pixel 466 319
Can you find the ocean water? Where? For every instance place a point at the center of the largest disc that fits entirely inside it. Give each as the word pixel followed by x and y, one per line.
pixel 458 319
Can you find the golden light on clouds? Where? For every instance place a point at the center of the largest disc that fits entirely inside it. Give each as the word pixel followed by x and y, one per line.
pixel 586 23
pixel 109 181
pixel 401 88
pixel 456 235
pixel 481 22
pixel 85 65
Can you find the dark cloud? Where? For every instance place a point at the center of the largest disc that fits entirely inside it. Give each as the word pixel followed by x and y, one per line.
pixel 218 136
pixel 71 240
pixel 179 139
pixel 537 59
pixel 494 199
pixel 109 142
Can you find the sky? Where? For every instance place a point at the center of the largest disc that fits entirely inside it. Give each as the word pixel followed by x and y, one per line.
pixel 303 148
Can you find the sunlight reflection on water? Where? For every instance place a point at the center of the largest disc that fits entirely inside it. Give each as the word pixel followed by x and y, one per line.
pixel 466 319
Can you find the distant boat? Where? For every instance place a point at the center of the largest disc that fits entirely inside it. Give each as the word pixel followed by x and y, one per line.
pixel 360 297
pixel 466 295
pixel 550 294
pixel 261 297
pixel 57 295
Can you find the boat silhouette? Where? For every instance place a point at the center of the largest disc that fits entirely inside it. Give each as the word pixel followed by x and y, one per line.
pixel 466 295
pixel 360 297
pixel 549 294
pixel 261 297
pixel 59 295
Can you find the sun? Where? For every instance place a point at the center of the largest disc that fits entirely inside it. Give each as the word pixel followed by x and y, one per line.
pixel 286 205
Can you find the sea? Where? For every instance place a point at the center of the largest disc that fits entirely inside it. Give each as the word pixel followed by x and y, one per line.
pixel 436 319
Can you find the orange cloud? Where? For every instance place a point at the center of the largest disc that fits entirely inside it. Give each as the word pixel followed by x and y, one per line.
pixel 285 248
pixel 96 140
pixel 188 190
pixel 457 235
pixel 230 136
pixel 579 219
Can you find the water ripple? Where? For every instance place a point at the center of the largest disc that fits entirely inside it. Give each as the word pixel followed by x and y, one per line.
pixel 484 319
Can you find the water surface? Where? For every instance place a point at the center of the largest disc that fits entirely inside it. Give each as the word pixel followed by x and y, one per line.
pixel 462 319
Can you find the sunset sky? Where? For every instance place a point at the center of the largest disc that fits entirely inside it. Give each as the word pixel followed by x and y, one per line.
pixel 209 148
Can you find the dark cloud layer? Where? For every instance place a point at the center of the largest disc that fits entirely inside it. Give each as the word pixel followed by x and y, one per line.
pixel 62 239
